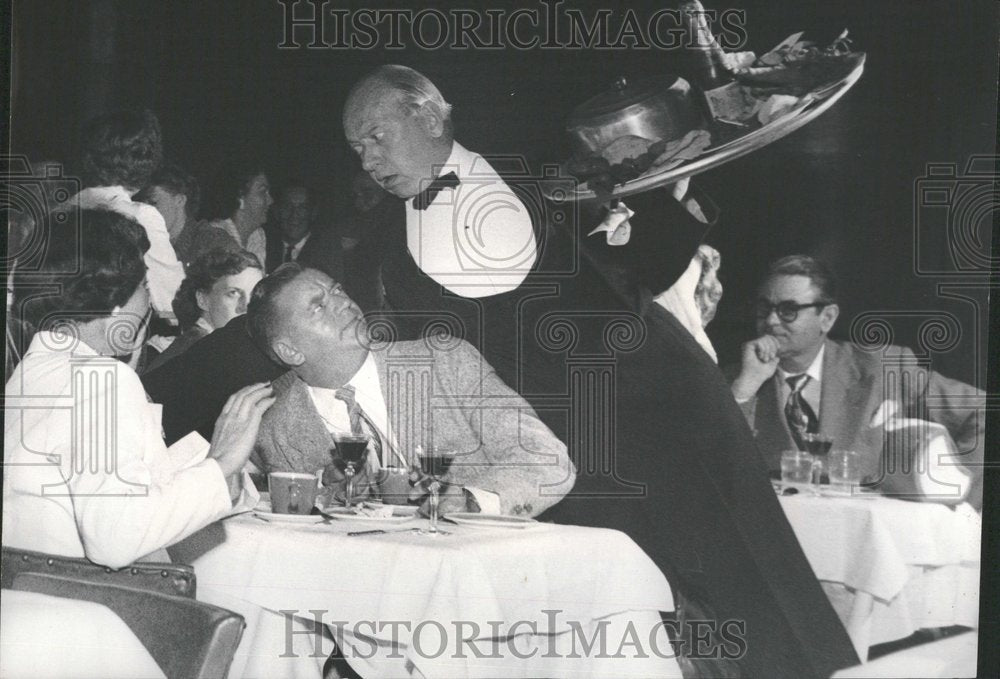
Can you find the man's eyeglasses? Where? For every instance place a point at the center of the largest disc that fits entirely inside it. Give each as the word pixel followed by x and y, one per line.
pixel 787 311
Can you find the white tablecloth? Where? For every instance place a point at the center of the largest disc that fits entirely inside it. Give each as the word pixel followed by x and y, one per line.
pixel 544 590
pixel 891 567
pixel 951 658
pixel 47 637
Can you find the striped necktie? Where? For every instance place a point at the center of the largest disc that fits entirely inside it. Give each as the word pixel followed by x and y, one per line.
pixel 800 415
pixel 360 422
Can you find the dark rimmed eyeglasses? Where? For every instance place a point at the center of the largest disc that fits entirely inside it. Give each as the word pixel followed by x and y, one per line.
pixel 787 310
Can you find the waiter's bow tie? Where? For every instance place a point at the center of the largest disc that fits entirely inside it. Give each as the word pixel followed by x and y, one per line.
pixel 427 196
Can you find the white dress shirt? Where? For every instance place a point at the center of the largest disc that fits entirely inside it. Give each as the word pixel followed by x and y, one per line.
pixel 256 241
pixel 86 470
pixel 296 248
pixel 476 240
pixel 368 394
pixel 812 391
pixel 164 271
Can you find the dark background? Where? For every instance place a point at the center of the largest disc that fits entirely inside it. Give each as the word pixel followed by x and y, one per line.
pixel 846 187
pixel 843 188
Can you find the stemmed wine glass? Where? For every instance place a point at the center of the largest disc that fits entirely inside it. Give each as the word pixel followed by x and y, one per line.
pixel 435 465
pixel 351 448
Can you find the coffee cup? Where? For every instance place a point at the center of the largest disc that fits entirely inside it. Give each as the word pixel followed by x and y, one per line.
pixel 292 492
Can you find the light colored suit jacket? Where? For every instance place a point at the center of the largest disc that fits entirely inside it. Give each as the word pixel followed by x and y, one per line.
pixel 442 395
pixel 854 385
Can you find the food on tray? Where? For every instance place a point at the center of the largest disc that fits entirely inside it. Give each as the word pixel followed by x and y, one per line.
pixel 776 106
pixel 733 102
pixel 638 156
pixel 622 148
pixel 688 147
pixel 799 66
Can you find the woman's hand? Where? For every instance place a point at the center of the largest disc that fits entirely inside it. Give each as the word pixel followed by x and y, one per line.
pixel 237 426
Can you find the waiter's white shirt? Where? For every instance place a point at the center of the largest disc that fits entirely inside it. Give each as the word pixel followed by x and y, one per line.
pixel 164 271
pixel 86 470
pixel 813 389
pixel 475 240
pixel 256 241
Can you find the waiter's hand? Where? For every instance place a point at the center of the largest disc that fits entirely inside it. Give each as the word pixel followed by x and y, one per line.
pixel 759 362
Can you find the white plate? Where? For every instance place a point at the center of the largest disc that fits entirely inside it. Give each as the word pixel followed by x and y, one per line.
pixel 401 514
pixel 287 518
pixel 489 520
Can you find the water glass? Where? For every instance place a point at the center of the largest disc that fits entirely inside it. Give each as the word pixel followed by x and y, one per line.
pixel 796 468
pixel 844 468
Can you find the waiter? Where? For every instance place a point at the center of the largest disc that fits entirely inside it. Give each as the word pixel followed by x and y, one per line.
pixel 684 479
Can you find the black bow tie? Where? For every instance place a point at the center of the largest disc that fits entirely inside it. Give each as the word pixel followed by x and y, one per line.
pixel 427 196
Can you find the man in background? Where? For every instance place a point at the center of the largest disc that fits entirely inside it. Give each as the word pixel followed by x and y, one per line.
pixel 300 238
pixel 794 380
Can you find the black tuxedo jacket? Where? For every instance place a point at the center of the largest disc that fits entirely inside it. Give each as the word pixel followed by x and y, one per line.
pixel 322 251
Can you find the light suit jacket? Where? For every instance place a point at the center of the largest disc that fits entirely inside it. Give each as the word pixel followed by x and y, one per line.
pixel 439 394
pixel 854 385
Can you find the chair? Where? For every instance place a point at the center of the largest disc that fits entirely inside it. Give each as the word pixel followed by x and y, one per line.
pixel 186 638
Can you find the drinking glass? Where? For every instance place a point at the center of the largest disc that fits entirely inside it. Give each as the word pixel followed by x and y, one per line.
pixel 845 469
pixel 796 468
pixel 352 449
pixel 435 465
pixel 819 447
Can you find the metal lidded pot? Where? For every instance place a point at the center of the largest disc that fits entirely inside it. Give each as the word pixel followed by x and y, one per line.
pixel 653 109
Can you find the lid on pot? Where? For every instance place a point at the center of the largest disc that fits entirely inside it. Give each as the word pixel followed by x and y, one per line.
pixel 622 94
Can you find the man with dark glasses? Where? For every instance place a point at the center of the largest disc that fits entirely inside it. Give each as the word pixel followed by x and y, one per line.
pixel 794 381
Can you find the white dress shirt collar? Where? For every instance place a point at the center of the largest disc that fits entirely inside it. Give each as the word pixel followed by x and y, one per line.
pixel 815 369
pixel 367 393
pixel 297 247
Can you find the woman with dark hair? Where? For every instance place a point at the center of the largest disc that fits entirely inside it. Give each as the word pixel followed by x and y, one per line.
pixel 120 153
pixel 237 203
pixel 216 291
pixel 176 196
pixel 87 472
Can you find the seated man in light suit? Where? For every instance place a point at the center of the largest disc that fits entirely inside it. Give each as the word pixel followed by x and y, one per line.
pixel 794 380
pixel 437 394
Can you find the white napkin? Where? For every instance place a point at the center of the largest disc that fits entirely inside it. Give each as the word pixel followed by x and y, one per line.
pixel 615 225
pixel 931 448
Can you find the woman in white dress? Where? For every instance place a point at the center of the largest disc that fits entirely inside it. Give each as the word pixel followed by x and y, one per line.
pixel 86 469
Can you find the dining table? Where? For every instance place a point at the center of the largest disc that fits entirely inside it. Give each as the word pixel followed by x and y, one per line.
pixel 480 600
pixel 890 567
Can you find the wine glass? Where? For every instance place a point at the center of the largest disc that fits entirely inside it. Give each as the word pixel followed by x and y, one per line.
pixel 352 449
pixel 435 465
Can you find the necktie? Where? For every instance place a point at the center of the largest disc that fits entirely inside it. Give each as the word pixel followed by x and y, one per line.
pixel 289 249
pixel 427 196
pixel 360 421
pixel 800 415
